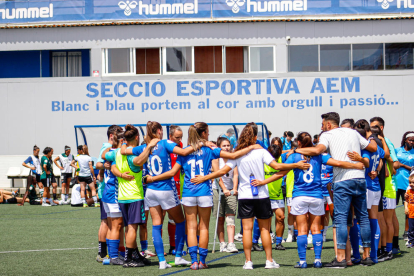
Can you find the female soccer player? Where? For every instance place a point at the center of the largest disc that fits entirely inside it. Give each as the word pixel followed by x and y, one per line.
pixel 198 199
pixel 86 175
pixel 307 203
pixel 66 172
pixel 276 196
pixel 161 195
pixel 47 177
pixel 252 204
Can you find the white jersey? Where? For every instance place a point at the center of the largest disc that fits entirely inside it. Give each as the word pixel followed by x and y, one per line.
pixel 76 195
pixel 65 162
pixel 83 161
pixel 251 163
pixel 36 164
pixel 227 178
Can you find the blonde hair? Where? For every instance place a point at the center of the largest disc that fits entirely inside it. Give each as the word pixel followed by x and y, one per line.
pixel 85 149
pixel 194 134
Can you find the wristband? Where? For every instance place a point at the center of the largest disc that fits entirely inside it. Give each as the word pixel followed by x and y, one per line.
pixel 124 144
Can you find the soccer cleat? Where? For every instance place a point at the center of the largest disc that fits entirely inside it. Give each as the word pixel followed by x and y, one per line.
pixel 271 264
pixel 99 259
pixel 231 248
pixel 53 203
pixel 248 265
pixel 97 204
pixel 355 261
pixel 388 256
pixel 134 263
pixel 149 254
pixel 181 261
pixel 141 258
pixel 202 266
pixel 405 236
pixel 317 264
pixel 116 261
pixel 409 245
pixel 238 237
pixel 367 262
pixel 396 251
pixel 289 238
pixel 194 266
pixel 279 247
pixel 381 257
pixel 45 205
pixel 85 205
pixel 256 247
pixel 164 265
pixel 223 246
pixel 299 265
pixel 336 264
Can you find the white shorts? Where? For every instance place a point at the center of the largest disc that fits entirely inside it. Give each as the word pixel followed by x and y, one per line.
pixel 165 199
pixel 276 204
pixel 373 198
pixel 146 207
pixel 327 200
pixel 201 201
pixel 389 203
pixel 112 210
pixel 301 205
pixel 289 201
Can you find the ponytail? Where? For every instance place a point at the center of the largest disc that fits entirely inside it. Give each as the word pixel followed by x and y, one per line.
pixel 194 134
pixel 305 139
pixel 152 128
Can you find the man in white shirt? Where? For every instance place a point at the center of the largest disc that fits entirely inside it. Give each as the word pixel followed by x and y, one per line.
pixel 349 184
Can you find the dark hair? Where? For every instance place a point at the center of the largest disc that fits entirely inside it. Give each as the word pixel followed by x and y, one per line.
pixel 376 130
pixel 272 142
pixel 379 120
pixel 113 129
pixel 316 136
pixel 405 137
pixel 35 147
pixel 305 139
pixel 221 140
pixel 351 122
pixel 131 132
pixel 247 136
pixel 80 147
pixel 290 134
pixel 332 117
pixel 152 128
pixel 362 126
pixel 275 151
pixel 47 150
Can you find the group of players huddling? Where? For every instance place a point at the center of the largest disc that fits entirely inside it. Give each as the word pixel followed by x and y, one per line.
pixel 159 176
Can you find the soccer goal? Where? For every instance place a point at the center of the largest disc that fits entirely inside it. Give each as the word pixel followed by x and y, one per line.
pixel 95 135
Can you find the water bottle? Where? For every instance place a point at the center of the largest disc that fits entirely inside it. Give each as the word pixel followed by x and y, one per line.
pixel 255 191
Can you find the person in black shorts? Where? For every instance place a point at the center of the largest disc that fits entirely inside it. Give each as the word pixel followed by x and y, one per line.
pixel 33 163
pixel 47 177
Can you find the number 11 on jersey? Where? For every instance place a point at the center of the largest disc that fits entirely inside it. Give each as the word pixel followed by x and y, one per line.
pixel 193 165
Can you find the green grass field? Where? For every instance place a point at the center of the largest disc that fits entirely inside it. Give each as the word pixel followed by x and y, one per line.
pixel 62 240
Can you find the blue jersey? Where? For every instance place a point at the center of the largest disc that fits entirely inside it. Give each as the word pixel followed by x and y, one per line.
pixel 159 161
pixel 327 174
pixel 286 144
pixel 110 193
pixel 406 158
pixel 261 144
pixel 307 182
pixel 198 163
pixel 374 160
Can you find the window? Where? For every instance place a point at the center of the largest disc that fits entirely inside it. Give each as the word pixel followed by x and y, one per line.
pixel 368 56
pixel 303 58
pixel 399 56
pixel 20 64
pixel 262 59
pixel 118 60
pixel 179 59
pixel 66 64
pixel 236 59
pixel 335 57
pixel 147 61
pixel 208 59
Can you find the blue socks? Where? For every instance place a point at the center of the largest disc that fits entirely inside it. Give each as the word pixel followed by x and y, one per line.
pixel 295 232
pixel 375 238
pixel 158 244
pixel 279 240
pixel 317 245
pixel 113 246
pixel 389 246
pixel 193 254
pixel 179 238
pixel 354 238
pixel 256 231
pixel 144 245
pixel 203 254
pixel 302 242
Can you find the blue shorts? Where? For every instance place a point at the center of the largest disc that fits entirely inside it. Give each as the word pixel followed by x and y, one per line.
pixel 103 213
pixel 133 213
